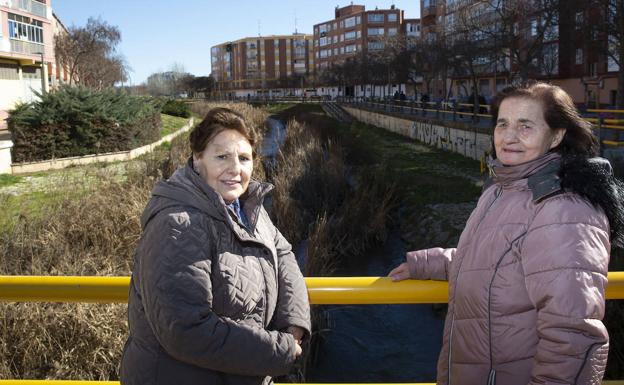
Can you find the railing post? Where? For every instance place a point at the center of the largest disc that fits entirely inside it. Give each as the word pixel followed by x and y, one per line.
pixel 600 123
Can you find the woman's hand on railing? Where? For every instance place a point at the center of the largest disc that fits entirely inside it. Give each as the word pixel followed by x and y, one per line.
pixel 400 272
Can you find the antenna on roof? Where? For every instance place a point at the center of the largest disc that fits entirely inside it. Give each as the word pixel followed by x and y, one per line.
pixel 295 21
pixel 259 34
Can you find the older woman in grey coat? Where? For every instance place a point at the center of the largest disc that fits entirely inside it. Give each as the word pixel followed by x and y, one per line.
pixel 216 296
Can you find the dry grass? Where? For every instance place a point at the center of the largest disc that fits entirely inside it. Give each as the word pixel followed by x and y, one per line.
pixel 338 211
pixel 91 233
pixel 95 233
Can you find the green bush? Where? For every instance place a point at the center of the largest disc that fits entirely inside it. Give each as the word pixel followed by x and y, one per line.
pixel 75 121
pixel 176 108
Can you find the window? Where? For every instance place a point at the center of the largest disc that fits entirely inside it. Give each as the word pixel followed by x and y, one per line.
pixel 350 22
pixel 533 27
pixel 335 51
pixel 322 28
pixel 350 35
pixel 375 45
pixel 342 24
pixel 375 32
pixel 358 20
pixel 350 48
pixel 358 34
pixel 335 39
pixel 375 17
pixel 612 65
pixel 579 56
pixel 392 31
pixel 593 69
pixel 335 27
pixel 392 17
pixel 23 28
pixel 324 41
pixel 299 48
pixel 429 3
pixel 579 19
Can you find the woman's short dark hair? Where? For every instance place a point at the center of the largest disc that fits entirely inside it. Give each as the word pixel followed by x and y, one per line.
pixel 559 112
pixel 216 121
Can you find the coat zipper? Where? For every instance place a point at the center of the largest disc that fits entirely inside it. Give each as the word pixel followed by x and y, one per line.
pixel 492 377
pixel 497 194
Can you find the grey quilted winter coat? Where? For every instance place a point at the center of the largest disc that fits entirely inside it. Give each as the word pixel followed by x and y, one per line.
pixel 209 300
pixel 526 284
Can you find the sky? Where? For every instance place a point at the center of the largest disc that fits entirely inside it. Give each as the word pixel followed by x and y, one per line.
pixel 158 34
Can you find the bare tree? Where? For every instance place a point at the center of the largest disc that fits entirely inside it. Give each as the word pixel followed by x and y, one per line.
pixel 90 54
pixel 168 83
pixel 614 12
pixel 516 33
pixel 428 60
pixel 386 51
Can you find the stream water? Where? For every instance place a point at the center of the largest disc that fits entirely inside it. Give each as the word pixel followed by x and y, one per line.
pixel 371 343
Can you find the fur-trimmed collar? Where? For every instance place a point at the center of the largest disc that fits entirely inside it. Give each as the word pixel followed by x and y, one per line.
pixel 593 179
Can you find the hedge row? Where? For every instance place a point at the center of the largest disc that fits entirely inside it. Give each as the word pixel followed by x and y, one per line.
pixel 75 121
pixel 177 108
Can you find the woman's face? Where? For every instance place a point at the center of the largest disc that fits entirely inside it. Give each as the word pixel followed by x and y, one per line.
pixel 521 133
pixel 226 164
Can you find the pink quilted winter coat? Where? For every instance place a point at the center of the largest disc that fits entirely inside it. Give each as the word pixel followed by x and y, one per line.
pixel 526 284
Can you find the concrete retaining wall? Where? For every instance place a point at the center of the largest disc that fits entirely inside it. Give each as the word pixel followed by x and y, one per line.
pixel 5 156
pixel 468 143
pixel 54 164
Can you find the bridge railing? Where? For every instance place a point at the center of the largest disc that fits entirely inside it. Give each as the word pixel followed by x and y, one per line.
pixel 608 124
pixel 321 291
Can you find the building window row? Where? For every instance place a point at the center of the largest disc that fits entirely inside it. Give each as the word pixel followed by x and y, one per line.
pixel 24 28
pixel 375 17
pixel 376 31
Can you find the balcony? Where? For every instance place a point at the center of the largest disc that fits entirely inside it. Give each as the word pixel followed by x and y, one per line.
pixel 27 47
pixel 30 6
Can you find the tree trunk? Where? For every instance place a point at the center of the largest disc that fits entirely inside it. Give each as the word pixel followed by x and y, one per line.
pixel 620 92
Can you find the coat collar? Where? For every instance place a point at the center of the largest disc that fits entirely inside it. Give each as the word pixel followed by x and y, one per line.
pixel 541 175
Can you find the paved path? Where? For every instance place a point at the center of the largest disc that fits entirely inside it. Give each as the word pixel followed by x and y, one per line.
pixel 5 135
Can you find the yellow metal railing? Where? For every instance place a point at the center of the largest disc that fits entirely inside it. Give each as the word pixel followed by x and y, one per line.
pixel 334 290
pixel 322 291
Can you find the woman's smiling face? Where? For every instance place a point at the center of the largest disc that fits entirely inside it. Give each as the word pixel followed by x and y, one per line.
pixel 226 164
pixel 521 132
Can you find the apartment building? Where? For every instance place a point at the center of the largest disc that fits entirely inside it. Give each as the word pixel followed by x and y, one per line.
pixel 26 50
pixel 353 31
pixel 570 48
pixel 585 70
pixel 262 65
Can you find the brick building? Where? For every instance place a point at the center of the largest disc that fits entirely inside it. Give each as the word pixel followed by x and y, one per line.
pixel 266 64
pixel 354 31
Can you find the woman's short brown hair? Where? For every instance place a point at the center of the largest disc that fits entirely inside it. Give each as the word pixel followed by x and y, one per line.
pixel 559 112
pixel 218 120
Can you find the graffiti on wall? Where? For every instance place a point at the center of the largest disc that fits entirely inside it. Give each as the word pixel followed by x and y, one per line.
pixel 467 143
